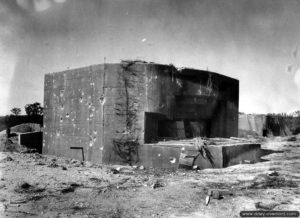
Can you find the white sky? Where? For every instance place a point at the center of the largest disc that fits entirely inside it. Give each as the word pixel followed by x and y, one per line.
pixel 252 40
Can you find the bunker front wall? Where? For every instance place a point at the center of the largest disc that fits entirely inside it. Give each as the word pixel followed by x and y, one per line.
pixel 90 108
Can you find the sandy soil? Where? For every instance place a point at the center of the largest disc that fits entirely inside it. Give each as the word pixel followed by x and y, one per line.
pixel 34 185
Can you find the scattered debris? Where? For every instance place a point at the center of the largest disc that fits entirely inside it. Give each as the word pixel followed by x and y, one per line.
pixel 67 161
pixel 68 189
pixel 273 173
pixel 8 158
pixel 37 156
pixel 292 145
pixel 195 167
pixel 74 184
pixel 292 139
pixel 53 165
pixel 158 184
pixel 219 193
pixel 215 194
pixel 248 161
pixel 34 197
pixel 127 170
pixel 80 205
pixel 96 180
pixel 115 171
pixel 207 200
pixel 3 207
pixel 41 163
pixel 29 151
pixel 271 181
pixel 81 198
pixel 88 164
pixel 10 145
pixel 265 206
pixel 73 161
pixel 24 187
pixel 76 163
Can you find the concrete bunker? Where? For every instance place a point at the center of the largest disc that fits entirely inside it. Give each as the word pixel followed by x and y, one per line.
pixel 112 112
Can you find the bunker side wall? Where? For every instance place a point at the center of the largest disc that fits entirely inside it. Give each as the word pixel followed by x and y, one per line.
pixel 73 113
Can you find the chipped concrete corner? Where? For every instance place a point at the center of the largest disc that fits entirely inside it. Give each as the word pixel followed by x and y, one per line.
pixel 103 107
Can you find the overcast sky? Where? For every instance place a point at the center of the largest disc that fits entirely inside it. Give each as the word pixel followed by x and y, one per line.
pixel 255 41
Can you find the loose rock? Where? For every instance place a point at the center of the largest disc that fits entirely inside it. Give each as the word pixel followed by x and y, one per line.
pixel 265 206
pixel 53 165
pixel 158 184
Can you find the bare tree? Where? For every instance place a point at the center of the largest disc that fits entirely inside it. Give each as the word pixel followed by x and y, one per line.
pixel 16 111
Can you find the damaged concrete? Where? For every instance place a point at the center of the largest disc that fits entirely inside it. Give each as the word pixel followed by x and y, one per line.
pixel 199 153
pixel 111 110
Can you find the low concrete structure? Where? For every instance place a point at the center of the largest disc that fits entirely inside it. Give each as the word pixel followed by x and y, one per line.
pixel 267 125
pixel 112 110
pixel 252 124
pixel 12 120
pixel 221 153
pixel 33 140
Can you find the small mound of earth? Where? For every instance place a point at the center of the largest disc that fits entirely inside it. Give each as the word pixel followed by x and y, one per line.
pixel 273 180
pixel 26 127
pixel 24 187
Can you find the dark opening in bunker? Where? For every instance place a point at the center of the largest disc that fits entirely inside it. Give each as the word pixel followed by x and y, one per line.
pixel 182 129
pixel 158 128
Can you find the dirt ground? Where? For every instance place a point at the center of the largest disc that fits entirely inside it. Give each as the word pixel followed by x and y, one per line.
pixel 34 185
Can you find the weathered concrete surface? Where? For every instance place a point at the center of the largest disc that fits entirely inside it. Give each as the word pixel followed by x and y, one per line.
pixel 164 155
pixel 239 153
pixel 102 108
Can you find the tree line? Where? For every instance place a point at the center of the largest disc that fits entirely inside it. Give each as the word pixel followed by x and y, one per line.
pixel 30 110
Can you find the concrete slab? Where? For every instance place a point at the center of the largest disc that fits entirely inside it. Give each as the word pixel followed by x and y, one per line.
pixel 223 154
